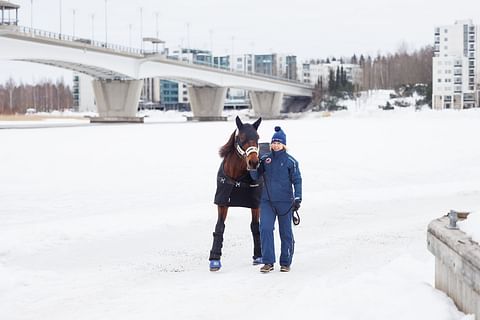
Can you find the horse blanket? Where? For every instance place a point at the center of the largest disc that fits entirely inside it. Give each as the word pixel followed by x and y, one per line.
pixel 244 192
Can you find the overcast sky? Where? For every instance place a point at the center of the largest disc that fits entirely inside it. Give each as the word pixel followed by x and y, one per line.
pixel 306 28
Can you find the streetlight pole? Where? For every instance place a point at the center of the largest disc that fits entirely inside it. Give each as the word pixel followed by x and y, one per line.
pixel 93 24
pixel 130 35
pixel 141 28
pixel 233 40
pixel 106 25
pixel 211 45
pixel 73 11
pixel 156 23
pixel 188 35
pixel 31 14
pixel 60 15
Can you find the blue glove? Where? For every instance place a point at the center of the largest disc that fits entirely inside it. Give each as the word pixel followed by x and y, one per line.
pixel 296 204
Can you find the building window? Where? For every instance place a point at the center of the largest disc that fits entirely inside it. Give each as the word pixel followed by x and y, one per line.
pixel 439 80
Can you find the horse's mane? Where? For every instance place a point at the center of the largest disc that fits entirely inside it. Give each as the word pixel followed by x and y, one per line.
pixel 228 147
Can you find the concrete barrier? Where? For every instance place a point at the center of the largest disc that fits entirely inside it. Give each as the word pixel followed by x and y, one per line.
pixel 457 265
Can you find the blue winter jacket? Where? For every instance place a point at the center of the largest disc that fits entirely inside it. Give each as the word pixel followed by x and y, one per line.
pixel 280 172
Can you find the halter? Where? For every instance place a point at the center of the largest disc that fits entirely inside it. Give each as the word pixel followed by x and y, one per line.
pixel 247 152
pixel 244 153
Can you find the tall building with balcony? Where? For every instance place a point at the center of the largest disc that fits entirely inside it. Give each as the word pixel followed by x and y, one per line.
pixel 455 71
pixel 266 64
pixel 83 95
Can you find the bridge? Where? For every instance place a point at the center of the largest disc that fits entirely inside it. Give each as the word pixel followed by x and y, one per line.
pixel 118 72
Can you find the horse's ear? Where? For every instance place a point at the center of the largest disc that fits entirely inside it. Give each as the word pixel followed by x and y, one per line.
pixel 239 122
pixel 256 124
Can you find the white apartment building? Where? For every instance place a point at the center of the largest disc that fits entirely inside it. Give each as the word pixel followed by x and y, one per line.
pixel 310 72
pixel 243 63
pixel 83 95
pixel 455 74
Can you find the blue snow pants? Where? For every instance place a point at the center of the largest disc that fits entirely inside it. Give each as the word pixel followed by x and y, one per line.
pixel 267 225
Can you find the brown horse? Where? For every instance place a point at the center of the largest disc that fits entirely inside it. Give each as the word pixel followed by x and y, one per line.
pixel 235 187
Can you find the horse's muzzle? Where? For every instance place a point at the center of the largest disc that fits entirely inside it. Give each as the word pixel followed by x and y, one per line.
pixel 253 164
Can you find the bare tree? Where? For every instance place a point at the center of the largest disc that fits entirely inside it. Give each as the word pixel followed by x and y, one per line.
pixel 43 96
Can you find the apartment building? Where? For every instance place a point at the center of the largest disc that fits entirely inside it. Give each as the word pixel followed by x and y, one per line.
pixel 83 95
pixel 311 72
pixel 455 71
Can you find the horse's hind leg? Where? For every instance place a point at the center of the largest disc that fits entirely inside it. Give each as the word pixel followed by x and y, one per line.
pixel 217 245
pixel 255 227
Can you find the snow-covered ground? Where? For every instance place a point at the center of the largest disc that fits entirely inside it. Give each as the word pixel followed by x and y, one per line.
pixel 116 221
pixel 471 226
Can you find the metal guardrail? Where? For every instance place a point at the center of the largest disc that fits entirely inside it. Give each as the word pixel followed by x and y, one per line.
pixel 36 33
pixel 64 37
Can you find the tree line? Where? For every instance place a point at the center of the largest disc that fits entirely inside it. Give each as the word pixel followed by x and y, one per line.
pixel 394 70
pixel 45 96
pixel 391 71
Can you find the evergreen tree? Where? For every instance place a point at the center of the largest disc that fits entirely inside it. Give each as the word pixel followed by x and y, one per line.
pixel 331 81
pixel 354 59
pixel 338 78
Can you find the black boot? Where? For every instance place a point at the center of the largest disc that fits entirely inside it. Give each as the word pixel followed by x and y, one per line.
pixel 257 248
pixel 217 245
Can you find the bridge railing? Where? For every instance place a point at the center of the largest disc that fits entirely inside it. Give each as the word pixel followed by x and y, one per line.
pixel 228 69
pixel 77 40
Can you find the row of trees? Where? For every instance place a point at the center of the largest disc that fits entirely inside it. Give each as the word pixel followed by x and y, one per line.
pixel 44 96
pixel 394 70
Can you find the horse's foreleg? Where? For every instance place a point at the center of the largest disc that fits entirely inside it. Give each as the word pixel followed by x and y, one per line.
pixel 255 227
pixel 217 245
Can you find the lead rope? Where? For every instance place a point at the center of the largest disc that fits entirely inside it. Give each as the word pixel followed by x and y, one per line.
pixel 295 217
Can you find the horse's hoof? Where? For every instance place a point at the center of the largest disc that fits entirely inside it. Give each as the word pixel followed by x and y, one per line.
pixel 257 261
pixel 215 265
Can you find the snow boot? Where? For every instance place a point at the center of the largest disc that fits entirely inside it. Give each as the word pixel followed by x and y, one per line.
pixel 266 268
pixel 215 265
pixel 284 268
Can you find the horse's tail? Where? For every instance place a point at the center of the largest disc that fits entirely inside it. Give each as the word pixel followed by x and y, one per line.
pixel 228 147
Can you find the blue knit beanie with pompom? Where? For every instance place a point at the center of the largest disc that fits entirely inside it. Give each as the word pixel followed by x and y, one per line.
pixel 279 136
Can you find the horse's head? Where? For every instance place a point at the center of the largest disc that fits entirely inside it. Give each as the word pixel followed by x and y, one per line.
pixel 246 142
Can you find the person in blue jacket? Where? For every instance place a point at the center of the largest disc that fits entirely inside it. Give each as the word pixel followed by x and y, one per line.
pixel 280 173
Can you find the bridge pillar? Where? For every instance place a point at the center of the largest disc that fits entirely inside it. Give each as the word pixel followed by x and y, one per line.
pixel 266 104
pixel 207 103
pixel 117 100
